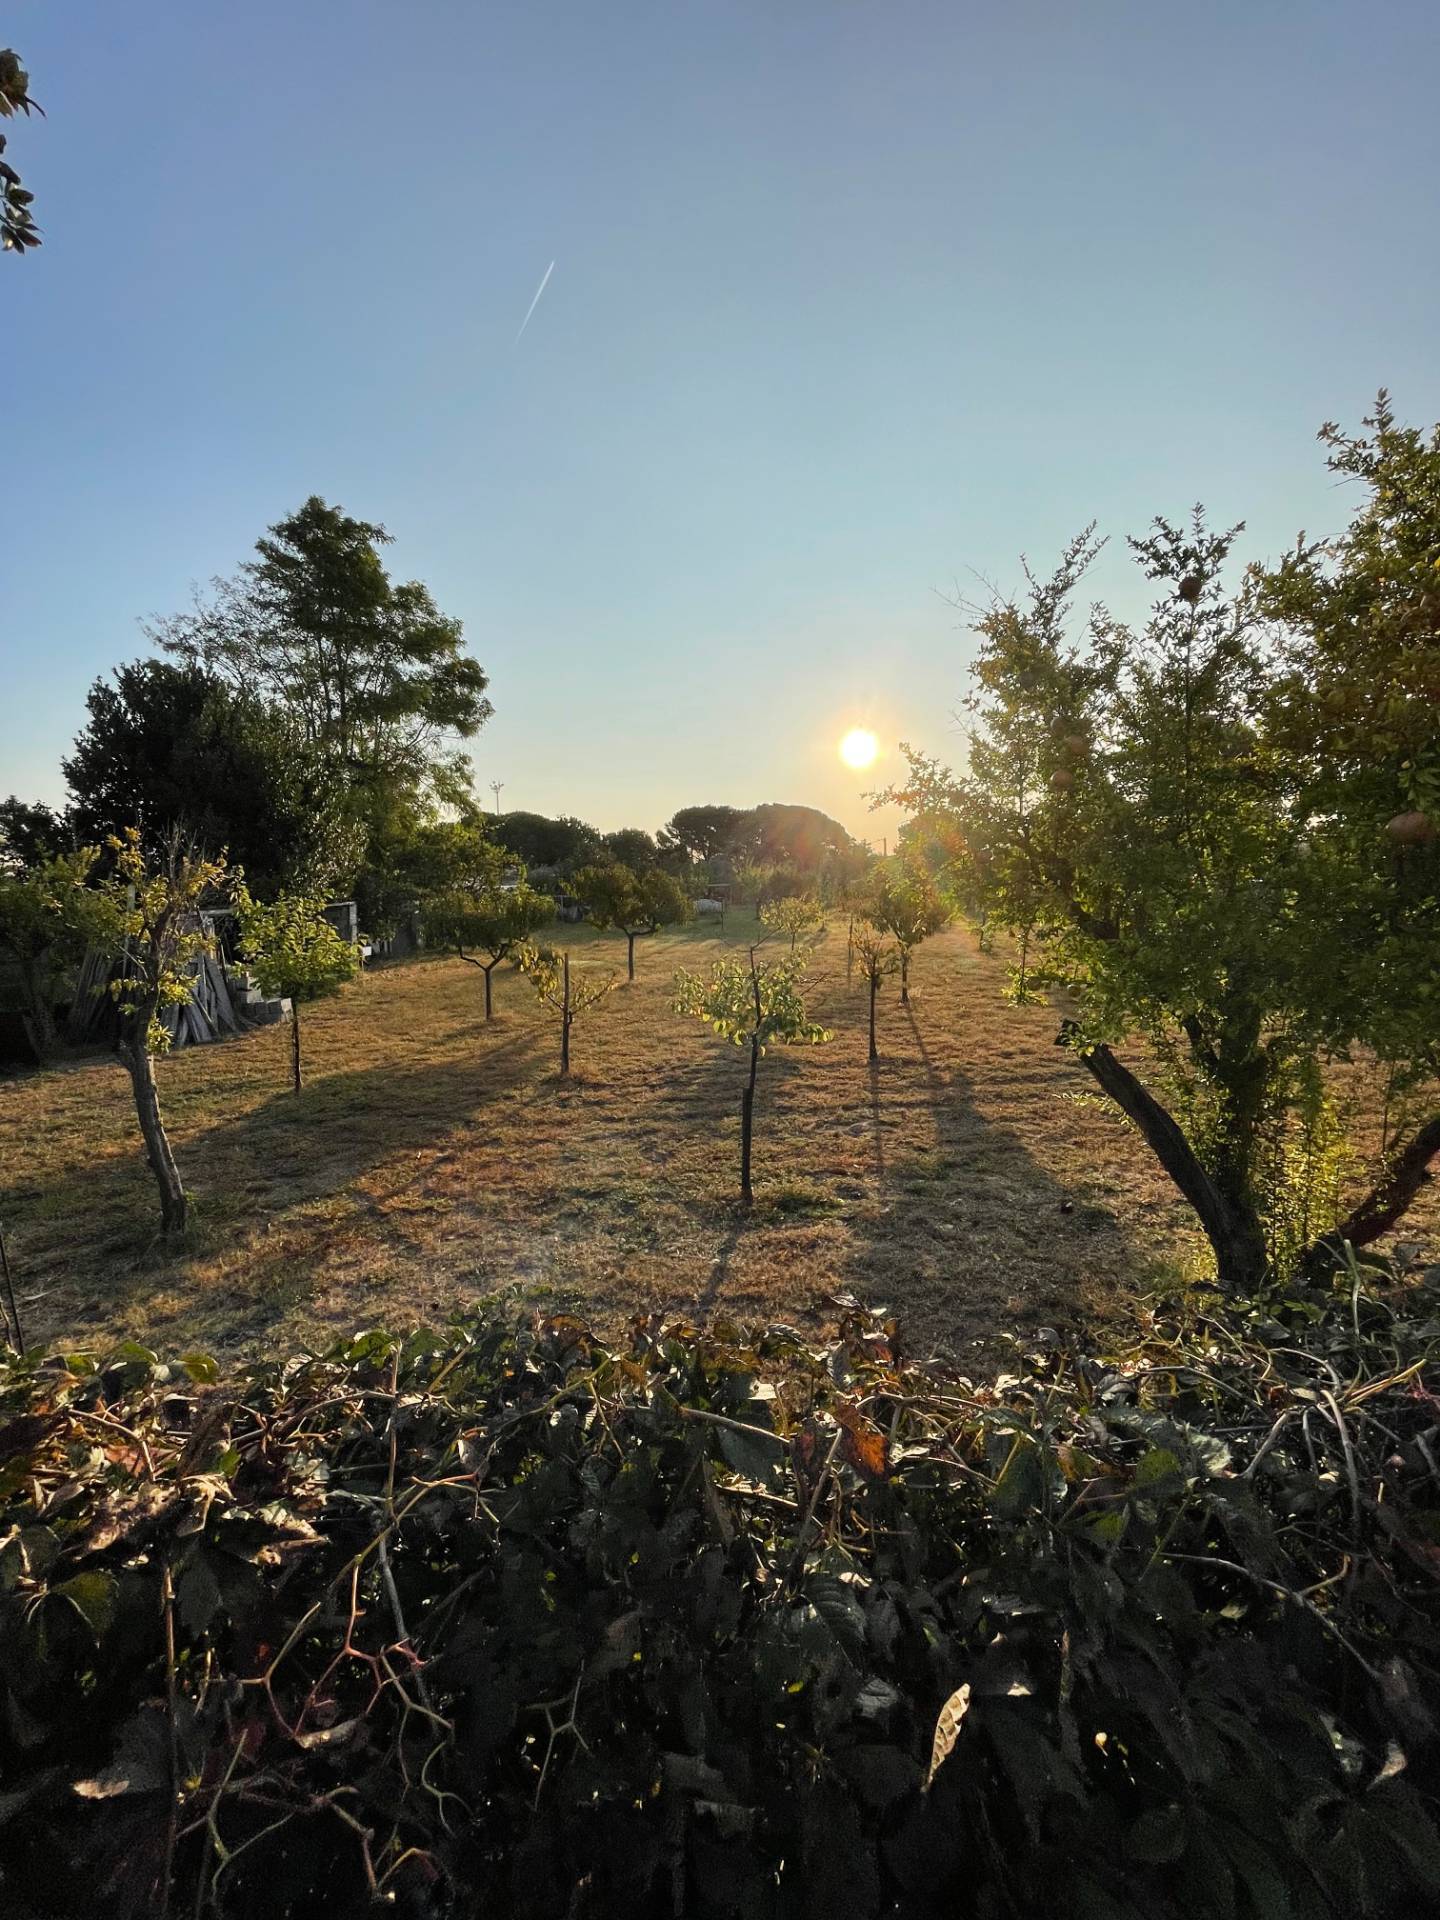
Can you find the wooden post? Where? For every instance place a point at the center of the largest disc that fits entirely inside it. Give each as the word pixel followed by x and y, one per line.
pixel 295 1041
pixel 874 984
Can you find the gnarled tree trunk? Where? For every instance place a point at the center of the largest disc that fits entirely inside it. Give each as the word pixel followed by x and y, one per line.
pixel 1228 1216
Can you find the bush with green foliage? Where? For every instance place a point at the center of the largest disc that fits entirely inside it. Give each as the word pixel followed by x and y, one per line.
pixel 504 1619
pixel 48 916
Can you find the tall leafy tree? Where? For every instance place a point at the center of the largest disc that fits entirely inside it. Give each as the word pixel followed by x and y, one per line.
pixel 171 747
pixel 371 669
pixel 701 833
pixel 30 833
pixel 293 950
pixel 560 845
pixel 1217 849
pixel 18 230
pixel 755 1006
pixel 632 847
pixel 631 903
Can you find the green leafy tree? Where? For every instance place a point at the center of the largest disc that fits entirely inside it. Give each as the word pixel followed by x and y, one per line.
pixel 559 845
pixel 292 949
pixel 632 847
pixel 755 1006
pixel 905 903
pixel 17 224
pixel 485 913
pixel 1208 825
pixel 750 878
pixel 794 914
pixel 700 833
pixel 147 914
pixel 29 834
pixel 631 903
pixel 566 997
pixel 48 915
pixel 171 748
pixel 879 957
pixel 368 668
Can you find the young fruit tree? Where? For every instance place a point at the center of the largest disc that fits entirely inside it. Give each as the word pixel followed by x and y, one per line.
pixel 147 914
pixel 755 1006
pixel 1211 825
pixel 878 955
pixel 46 908
pixel 567 998
pixel 475 898
pixel 795 914
pixel 292 949
pixel 631 903
pixel 906 904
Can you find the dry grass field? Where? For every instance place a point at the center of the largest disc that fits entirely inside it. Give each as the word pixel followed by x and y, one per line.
pixel 971 1181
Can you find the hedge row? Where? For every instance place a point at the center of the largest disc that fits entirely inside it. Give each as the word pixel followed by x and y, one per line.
pixel 500 1620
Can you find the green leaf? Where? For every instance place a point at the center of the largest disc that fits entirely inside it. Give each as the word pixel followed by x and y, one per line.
pixel 757 1459
pixel 201 1367
pixel 197 1594
pixel 93 1597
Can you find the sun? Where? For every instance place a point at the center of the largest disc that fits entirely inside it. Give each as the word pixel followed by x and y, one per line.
pixel 859 747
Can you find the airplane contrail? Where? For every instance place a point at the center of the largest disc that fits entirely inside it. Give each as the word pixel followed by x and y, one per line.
pixel 536 301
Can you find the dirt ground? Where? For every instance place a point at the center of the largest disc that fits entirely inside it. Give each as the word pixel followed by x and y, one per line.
pixel 972 1182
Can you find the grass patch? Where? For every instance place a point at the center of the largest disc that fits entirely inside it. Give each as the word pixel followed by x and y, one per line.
pixel 432 1158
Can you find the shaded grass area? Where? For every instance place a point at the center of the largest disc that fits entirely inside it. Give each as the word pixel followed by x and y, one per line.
pixel 431 1159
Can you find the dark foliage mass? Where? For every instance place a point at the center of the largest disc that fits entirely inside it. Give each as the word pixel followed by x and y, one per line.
pixel 502 1621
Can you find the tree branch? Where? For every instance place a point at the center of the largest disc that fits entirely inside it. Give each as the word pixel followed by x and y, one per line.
pixel 1386 1201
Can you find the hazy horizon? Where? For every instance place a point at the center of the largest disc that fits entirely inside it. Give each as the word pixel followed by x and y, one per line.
pixel 847 305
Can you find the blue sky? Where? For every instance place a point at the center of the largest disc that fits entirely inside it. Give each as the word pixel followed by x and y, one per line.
pixel 851 301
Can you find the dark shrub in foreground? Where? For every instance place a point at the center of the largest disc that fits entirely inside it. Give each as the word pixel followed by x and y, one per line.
pixel 499 1621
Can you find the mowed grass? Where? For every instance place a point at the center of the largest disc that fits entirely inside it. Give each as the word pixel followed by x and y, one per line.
pixel 970 1181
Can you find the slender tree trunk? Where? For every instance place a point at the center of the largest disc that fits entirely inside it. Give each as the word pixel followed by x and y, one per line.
pixel 904 976
pixel 565 1018
pixel 850 951
pixel 488 971
pixel 295 1073
pixel 630 954
pixel 1231 1223
pixel 174 1207
pixel 874 987
pixel 747 1126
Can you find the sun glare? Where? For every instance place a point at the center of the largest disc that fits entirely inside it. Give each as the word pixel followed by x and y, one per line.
pixel 859 747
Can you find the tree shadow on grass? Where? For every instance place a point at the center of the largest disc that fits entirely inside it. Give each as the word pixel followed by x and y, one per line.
pixel 264 1178
pixel 973 1238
